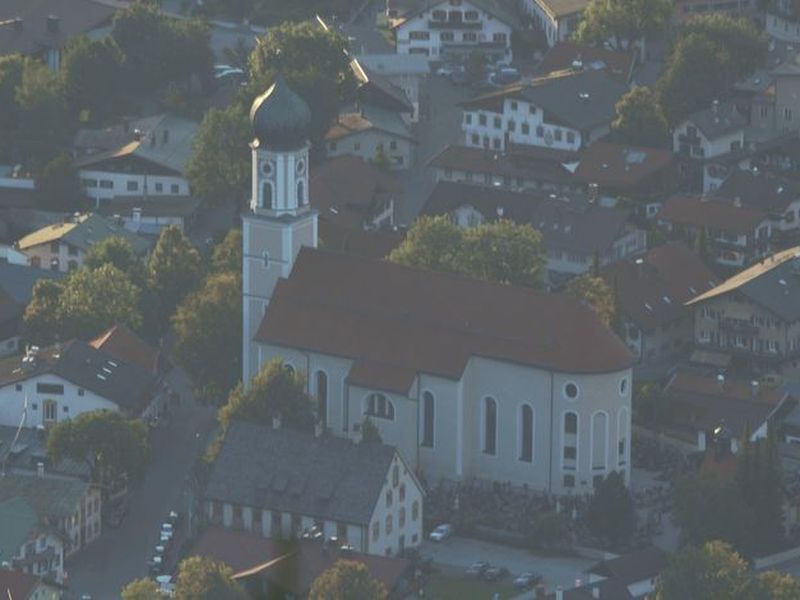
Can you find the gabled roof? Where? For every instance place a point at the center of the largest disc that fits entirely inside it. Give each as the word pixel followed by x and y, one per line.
pixel 652 289
pixel 496 8
pixel 123 344
pixel 17 585
pixel 702 211
pixel 49 497
pixel 641 565
pixel 17 521
pixel 375 243
pixel 418 320
pixel 122 383
pixel 761 191
pixel 374 87
pixel 622 167
pixel 18 280
pixel 562 8
pixel 370 118
pixel 83 232
pixel 717 120
pixel 773 283
pixel 325 477
pixel 582 100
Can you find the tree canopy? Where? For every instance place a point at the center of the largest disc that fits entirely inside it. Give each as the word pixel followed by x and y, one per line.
pixel 58 187
pixel 201 578
pixel 622 22
pixel 275 392
pixel 92 76
pixel 173 270
pixel 640 119
pixel 118 252
pixel 611 515
pixel 141 589
pixel 595 293
pixel 345 580
pixel 500 251
pixel 227 255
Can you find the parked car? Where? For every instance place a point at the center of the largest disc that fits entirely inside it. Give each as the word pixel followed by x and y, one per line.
pixel 173 518
pixel 505 75
pixel 441 532
pixel 447 70
pixel 478 568
pixel 495 573
pixel 155 564
pixel 165 584
pixel 527 580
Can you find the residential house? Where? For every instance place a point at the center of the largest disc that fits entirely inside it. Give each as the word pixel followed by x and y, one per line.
pixel 446 29
pixel 145 157
pixel 19 585
pixel 607 588
pixel 575 232
pixel 145 217
pixel 781 22
pixel 408 72
pixel 41 28
pixel 376 90
pixel 638 570
pixel 726 232
pixel 24 452
pixel 49 385
pixel 755 315
pixel 371 133
pixel 270 568
pixel 557 19
pixel 350 192
pixel 124 345
pixel 650 292
pixel 16 290
pixel 63 246
pixel 51 519
pixel 567 110
pixel 280 482
pixel 417 351
pixel 519 168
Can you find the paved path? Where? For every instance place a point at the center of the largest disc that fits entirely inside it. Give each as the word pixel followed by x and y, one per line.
pixel 119 555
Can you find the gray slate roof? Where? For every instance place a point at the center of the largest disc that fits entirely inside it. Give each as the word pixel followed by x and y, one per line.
pixel 778 290
pixel 18 280
pixel 717 120
pixel 763 191
pixel 323 477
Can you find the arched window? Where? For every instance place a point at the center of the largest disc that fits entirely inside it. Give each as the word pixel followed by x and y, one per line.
pixel 526 434
pixel 301 193
pixel 489 426
pixel 322 397
pixel 380 406
pixel 415 510
pixel 388 524
pixel 571 423
pixel 622 435
pixel 599 440
pixel 428 416
pixel 267 199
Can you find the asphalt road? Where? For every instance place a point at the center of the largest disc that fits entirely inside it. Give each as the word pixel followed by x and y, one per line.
pixel 119 555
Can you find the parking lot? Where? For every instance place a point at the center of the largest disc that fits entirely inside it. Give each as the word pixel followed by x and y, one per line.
pixel 457 553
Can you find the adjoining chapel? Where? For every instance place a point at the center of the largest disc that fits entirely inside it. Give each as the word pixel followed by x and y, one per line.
pixel 465 378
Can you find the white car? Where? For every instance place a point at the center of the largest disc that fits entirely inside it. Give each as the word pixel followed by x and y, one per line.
pixel 165 584
pixel 441 532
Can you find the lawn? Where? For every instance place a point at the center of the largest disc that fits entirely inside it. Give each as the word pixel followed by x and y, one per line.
pixel 445 587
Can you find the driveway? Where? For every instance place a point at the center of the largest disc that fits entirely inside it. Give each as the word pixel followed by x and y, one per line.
pixel 460 552
pixel 119 555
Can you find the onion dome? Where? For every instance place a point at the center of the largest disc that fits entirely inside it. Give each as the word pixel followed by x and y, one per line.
pixel 280 117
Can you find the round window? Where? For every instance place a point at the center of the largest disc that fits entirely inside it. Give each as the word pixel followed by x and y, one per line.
pixel 301 167
pixel 623 386
pixel 267 168
pixel 571 390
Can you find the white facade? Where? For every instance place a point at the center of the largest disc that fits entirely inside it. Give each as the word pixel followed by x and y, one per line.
pixel 454 27
pixel 782 27
pixel 688 140
pixel 27 558
pixel 105 185
pixel 370 143
pixel 55 256
pixel 556 28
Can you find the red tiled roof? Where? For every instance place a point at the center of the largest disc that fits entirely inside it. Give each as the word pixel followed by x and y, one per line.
pixel 430 322
pixel 358 241
pixel 621 167
pixel 16 584
pixel 698 211
pixel 120 342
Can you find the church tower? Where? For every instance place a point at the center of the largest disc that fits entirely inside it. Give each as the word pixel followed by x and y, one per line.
pixel 280 220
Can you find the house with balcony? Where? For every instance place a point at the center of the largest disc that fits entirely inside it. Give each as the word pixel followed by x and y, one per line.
pixel 782 21
pixel 725 232
pixel 450 29
pixel 565 111
pixel 755 315
pixel 279 483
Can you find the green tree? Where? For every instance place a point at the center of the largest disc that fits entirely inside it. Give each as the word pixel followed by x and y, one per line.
pixel 219 168
pixel 713 572
pixel 141 589
pixel 201 578
pixel 594 292
pixel 345 580
pixel 778 586
pixel 11 68
pixel 315 64
pixel 275 392
pixel 111 445
pixel 91 73
pixel 432 243
pixel 708 507
pixel 227 255
pixel 41 323
pixel 622 22
pixel 173 270
pixel 640 119
pixel 370 432
pixel 759 478
pixel 505 252
pixel 59 188
pixel 208 326
pixel 42 124
pixel 611 515
pixel 548 530
pixel 119 252
pixel 745 44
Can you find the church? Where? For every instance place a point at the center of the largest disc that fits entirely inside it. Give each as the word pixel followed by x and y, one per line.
pixel 466 378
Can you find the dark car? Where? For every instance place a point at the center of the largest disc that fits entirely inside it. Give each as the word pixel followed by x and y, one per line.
pixel 478 568
pixel 495 573
pixel 527 580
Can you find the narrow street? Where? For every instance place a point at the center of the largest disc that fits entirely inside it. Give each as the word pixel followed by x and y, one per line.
pixel 119 555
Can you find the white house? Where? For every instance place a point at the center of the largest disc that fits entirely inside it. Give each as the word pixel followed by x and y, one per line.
pixel 566 111
pixel 465 378
pixel 281 483
pixel 557 19
pixel 451 28
pixel 710 132
pixel 409 72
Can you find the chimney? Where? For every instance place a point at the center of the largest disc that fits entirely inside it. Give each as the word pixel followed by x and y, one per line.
pixel 53 23
pixel 595 592
pixel 639 262
pixel 276 422
pixel 40 470
pixel 137 135
pixel 559 593
pixel 578 582
pixel 721 382
pixel 715 106
pixel 754 386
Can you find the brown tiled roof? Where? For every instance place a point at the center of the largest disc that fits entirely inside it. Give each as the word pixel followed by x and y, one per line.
pixel 652 289
pixel 32 34
pixel 430 322
pixel 621 167
pixel 760 191
pixel 291 567
pixel 358 241
pixel 120 342
pixel 151 206
pixel 647 563
pixel 346 190
pixel 563 54
pixel 16 584
pixel 699 211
